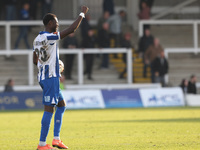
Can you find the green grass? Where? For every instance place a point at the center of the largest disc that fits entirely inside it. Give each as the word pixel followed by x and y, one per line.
pixel 107 129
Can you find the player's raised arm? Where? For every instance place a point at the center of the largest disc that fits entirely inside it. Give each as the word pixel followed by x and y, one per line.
pixel 75 24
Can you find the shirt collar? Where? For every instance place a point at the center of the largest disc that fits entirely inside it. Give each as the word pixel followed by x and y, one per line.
pixel 42 32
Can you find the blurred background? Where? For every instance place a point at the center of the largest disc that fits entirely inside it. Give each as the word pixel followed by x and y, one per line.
pixel 120 44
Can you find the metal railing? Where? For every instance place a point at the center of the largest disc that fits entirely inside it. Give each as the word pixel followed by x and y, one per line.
pixel 9 24
pixel 79 53
pixel 173 9
pixel 179 50
pixel 193 23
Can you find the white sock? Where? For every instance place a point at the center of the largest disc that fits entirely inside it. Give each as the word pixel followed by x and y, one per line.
pixel 56 137
pixel 41 143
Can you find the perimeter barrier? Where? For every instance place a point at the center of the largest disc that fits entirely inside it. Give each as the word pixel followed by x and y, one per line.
pixel 91 98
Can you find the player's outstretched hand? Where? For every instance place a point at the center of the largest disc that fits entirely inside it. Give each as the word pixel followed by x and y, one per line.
pixel 84 9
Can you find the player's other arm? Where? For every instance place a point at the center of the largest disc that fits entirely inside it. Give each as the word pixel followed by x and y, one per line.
pixel 35 58
pixel 72 28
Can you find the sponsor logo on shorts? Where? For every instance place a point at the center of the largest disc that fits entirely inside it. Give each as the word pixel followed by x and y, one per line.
pixel 47 98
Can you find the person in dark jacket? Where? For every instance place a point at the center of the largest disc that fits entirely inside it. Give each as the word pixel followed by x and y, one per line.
pixel 70 42
pixel 192 85
pixel 9 86
pixel 104 42
pixel 126 43
pixel 85 26
pixel 10 8
pixel 145 41
pixel 89 42
pixel 23 30
pixel 160 68
pixel 108 5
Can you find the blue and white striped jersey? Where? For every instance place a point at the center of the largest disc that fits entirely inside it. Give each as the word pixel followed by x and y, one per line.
pixel 45 46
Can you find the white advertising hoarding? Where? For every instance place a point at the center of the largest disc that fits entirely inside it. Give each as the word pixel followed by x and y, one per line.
pixel 80 99
pixel 193 100
pixel 162 97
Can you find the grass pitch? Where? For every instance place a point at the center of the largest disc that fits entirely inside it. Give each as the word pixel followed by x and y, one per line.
pixel 107 129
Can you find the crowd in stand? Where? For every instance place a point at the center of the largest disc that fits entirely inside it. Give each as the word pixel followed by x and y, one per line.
pixel 153 56
pixel 11 9
pixel 107 34
pixel 23 10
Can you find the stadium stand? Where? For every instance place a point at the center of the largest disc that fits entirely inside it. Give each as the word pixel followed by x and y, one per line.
pixel 165 33
pixel 182 66
pixel 179 9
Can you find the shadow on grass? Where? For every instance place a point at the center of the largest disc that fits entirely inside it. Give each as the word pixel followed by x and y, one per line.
pixel 182 120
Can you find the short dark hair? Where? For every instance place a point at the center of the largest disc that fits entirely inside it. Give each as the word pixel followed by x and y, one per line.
pixel 48 17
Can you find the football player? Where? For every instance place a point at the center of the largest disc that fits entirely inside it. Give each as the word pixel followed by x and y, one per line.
pixel 46 57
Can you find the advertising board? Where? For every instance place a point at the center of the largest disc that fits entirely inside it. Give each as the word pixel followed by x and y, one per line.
pixel 162 97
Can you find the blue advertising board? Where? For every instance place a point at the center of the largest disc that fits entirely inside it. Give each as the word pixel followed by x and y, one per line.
pixel 122 98
pixel 84 99
pixel 21 100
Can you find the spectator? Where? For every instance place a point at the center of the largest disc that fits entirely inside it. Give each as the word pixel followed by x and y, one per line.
pixel 151 53
pixel 89 42
pixel 9 86
pixel 108 5
pixel 2 11
pixel 23 30
pixel 85 26
pixel 10 9
pixel 115 23
pixel 46 6
pixel 126 43
pixel 192 85
pixel 70 42
pixel 102 19
pixel 148 2
pixel 184 86
pixel 145 41
pixel 104 42
pixel 160 68
pixel 144 14
pixel 33 8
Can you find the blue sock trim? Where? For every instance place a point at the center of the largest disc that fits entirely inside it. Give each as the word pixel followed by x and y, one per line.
pixel 58 120
pixel 46 120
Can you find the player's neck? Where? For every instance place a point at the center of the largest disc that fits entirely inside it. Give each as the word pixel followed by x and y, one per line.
pixel 48 30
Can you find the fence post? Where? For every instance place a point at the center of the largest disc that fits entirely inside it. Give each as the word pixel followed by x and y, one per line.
pixel 80 67
pixel 8 37
pixel 129 67
pixel 30 69
pixel 141 24
pixel 195 36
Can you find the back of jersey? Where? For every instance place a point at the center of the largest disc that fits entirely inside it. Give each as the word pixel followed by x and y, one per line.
pixel 45 46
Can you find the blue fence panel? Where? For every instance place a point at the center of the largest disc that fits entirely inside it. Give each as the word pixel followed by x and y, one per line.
pixel 122 98
pixel 21 100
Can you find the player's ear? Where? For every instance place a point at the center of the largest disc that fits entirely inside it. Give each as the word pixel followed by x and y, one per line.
pixel 50 22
